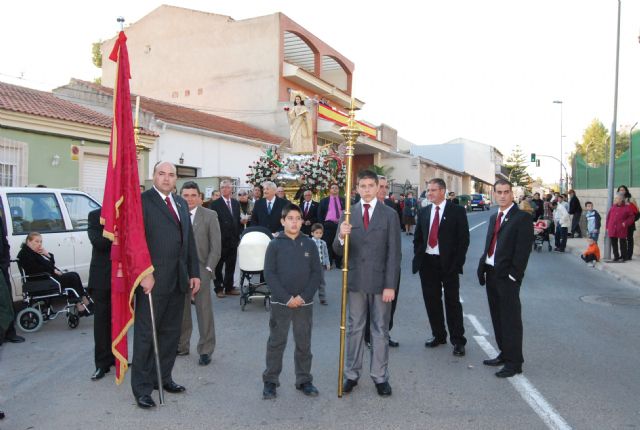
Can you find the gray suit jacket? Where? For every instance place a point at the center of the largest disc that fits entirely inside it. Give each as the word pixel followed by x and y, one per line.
pixel 374 254
pixel 206 230
pixel 173 253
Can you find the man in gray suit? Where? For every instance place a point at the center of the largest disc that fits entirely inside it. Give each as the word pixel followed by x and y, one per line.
pixel 176 272
pixel 374 268
pixel 206 231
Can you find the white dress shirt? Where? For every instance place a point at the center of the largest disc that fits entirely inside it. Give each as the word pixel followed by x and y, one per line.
pixel 192 212
pixel 436 249
pixel 173 202
pixel 491 260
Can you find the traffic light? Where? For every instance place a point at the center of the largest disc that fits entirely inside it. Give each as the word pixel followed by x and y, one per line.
pixel 537 163
pixel 533 157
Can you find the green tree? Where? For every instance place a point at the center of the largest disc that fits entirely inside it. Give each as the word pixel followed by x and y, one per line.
pixel 517 163
pixel 596 143
pixel 381 170
pixel 96 54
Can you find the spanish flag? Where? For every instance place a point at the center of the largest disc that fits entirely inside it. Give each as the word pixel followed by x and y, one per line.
pixel 122 212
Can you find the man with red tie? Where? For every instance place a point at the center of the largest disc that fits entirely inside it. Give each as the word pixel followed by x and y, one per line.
pixel 309 213
pixel 440 249
pixel 502 265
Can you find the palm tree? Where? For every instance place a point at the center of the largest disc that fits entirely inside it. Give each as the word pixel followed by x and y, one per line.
pixel 381 170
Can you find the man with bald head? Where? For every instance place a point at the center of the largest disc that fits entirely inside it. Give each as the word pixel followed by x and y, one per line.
pixel 172 247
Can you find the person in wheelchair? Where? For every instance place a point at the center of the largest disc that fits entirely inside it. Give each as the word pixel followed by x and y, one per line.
pixel 35 260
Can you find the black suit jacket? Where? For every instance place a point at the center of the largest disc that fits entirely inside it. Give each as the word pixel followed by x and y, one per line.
pixel 230 227
pixel 311 216
pixel 173 255
pixel 100 267
pixel 260 216
pixel 515 240
pixel 453 237
pixel 323 208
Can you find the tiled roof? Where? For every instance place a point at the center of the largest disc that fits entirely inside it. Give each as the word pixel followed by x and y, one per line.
pixel 40 103
pixel 26 100
pixel 180 115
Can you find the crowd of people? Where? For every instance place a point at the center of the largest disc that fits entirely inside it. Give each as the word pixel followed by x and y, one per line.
pixel 194 247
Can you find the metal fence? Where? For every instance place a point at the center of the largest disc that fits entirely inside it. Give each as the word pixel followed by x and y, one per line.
pixel 627 170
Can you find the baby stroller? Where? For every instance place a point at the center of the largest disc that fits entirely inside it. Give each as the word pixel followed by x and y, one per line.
pixel 41 292
pixel 541 234
pixel 251 253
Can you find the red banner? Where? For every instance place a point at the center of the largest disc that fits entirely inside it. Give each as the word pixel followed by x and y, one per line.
pixel 122 212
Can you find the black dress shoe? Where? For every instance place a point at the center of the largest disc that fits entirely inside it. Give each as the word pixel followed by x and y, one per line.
pixel 269 391
pixel 384 389
pixel 498 361
pixel 99 373
pixel 145 402
pixel 458 350
pixel 172 387
pixel 205 359
pixel 308 389
pixel 393 343
pixel 348 386
pixel 14 338
pixel 508 372
pixel 433 342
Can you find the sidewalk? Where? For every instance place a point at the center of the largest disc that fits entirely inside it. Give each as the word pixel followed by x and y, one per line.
pixel 628 271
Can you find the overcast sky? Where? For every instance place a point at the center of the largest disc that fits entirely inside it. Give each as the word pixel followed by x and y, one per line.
pixel 435 70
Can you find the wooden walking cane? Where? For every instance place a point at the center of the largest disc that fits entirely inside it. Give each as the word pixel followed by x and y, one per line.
pixel 350 133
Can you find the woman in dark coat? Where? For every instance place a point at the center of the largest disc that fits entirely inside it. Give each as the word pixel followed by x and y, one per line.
pixel 35 259
pixel 409 212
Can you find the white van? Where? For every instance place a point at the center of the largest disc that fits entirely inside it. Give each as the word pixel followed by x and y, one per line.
pixel 61 216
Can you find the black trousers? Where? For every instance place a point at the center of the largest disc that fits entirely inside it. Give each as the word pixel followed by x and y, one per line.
pixel 503 295
pixel 630 241
pixel 575 224
pixel 329 234
pixel 228 262
pixel 622 252
pixel 434 281
pixel 589 258
pixel 11 330
pixel 561 237
pixel 102 328
pixel 168 309
pixel 367 327
pixel 280 319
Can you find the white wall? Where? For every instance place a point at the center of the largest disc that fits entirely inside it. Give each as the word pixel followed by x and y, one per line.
pixel 213 156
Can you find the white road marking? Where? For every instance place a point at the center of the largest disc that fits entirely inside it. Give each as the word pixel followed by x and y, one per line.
pixel 476 324
pixel 476 226
pixel 529 393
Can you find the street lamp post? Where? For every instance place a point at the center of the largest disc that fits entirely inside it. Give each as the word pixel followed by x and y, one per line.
pixel 612 150
pixel 560 183
pixel 631 153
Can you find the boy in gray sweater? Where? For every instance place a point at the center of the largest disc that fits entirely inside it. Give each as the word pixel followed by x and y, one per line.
pixel 293 272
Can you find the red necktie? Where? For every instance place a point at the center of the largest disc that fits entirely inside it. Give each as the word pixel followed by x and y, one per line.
pixel 433 234
pixel 366 215
pixel 173 212
pixel 494 239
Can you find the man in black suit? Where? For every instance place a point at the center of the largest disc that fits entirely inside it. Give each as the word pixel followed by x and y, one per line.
pixel 9 334
pixel 329 212
pixel 174 257
pixel 100 290
pixel 309 213
pixel 228 210
pixel 268 210
pixel 440 248
pixel 502 267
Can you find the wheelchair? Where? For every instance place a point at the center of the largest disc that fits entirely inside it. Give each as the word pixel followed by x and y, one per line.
pixel 45 299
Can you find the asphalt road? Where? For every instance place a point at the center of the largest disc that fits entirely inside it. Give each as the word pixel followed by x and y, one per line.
pixel 580 371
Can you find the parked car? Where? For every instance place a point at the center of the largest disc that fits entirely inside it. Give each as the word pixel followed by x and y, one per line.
pixel 465 201
pixel 477 202
pixel 61 216
pixel 487 201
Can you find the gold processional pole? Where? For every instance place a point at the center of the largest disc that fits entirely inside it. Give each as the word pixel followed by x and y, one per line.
pixel 350 133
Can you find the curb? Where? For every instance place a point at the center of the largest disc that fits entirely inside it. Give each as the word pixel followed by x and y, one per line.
pixel 606 267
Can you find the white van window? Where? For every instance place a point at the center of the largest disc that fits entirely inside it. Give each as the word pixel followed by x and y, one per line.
pixel 79 207
pixel 35 212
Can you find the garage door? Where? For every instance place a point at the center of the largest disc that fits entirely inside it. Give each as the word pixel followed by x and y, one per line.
pixel 93 172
